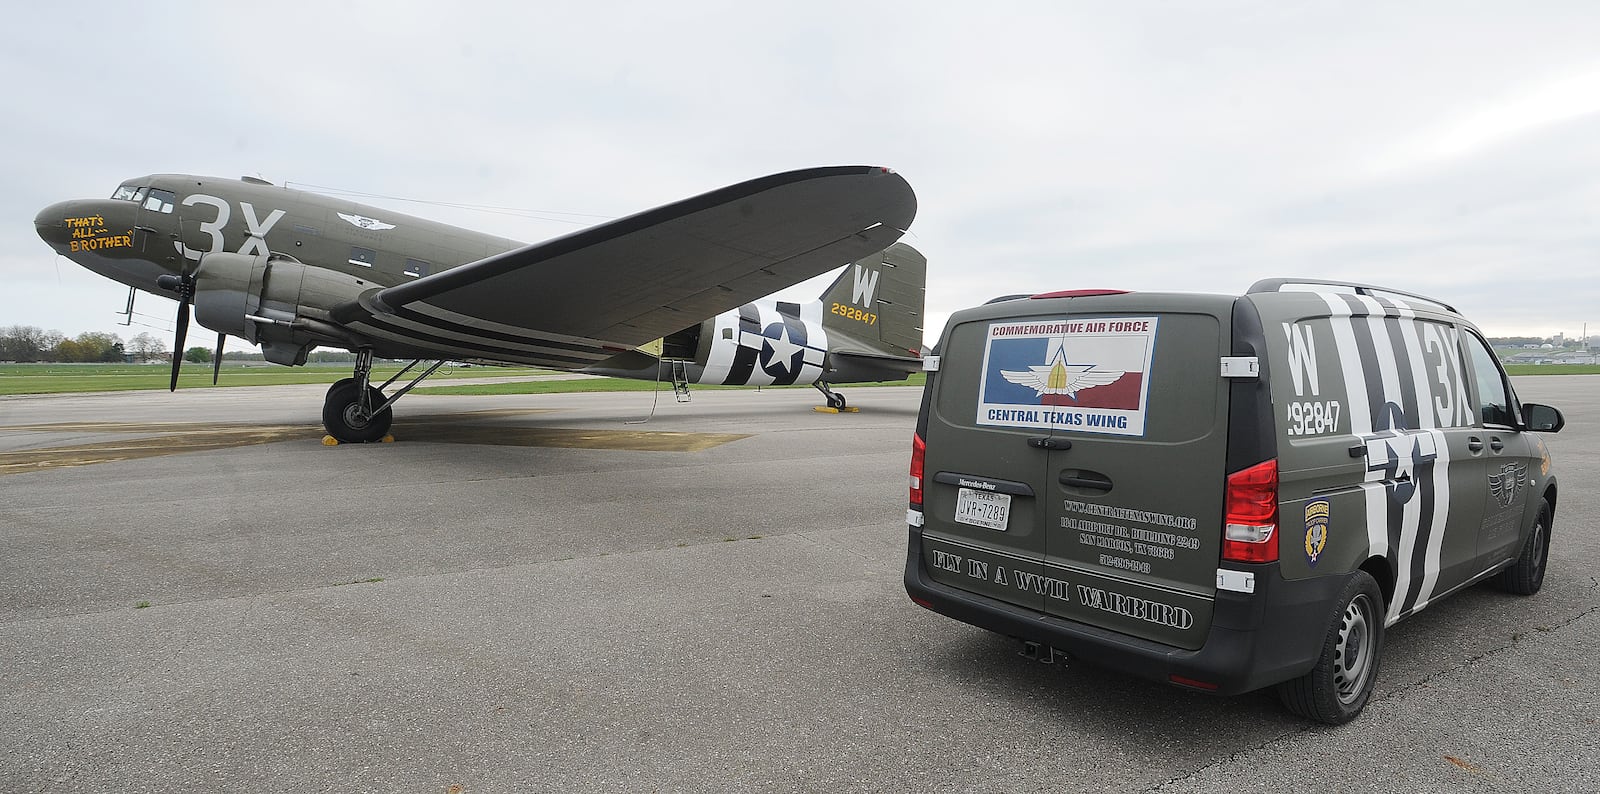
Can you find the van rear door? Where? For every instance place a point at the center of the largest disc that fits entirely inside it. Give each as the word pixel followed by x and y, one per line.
pixel 1138 474
pixel 983 510
pixel 1076 456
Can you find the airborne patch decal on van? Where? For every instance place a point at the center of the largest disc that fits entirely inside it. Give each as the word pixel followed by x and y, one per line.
pixel 1089 375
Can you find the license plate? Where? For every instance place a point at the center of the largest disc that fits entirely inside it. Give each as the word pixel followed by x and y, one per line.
pixel 983 509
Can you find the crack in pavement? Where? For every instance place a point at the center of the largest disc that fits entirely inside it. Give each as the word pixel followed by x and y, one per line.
pixel 1395 696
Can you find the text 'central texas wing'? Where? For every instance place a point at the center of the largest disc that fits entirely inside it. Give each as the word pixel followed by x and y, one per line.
pixel 576 299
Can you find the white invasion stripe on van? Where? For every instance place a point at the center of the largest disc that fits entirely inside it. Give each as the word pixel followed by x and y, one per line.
pixel 1344 341
pixel 1411 332
pixel 1441 513
pixel 1360 413
pixel 1362 323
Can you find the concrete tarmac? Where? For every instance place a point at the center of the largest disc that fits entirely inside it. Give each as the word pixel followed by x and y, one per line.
pixel 525 593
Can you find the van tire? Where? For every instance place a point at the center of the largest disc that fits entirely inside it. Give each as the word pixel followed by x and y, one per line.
pixel 1338 687
pixel 1526 575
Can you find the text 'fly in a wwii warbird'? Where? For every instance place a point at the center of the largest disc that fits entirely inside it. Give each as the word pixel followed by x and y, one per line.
pixel 290 270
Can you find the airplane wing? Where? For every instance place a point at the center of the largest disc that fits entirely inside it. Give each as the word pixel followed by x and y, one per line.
pixel 582 297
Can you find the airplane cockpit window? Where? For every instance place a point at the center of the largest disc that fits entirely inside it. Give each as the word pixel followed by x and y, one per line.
pixel 160 201
pixel 129 193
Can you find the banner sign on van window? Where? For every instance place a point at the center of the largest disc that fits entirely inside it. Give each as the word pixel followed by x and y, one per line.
pixel 1089 375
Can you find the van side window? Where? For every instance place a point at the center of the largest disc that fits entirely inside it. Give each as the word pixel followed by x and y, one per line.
pixel 1494 402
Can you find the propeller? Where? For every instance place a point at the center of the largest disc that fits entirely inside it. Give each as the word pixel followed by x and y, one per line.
pixel 216 360
pixel 183 285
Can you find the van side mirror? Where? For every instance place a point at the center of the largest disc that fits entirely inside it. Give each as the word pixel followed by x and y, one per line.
pixel 1542 418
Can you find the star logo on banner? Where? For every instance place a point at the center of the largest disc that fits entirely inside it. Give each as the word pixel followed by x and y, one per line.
pixel 1059 377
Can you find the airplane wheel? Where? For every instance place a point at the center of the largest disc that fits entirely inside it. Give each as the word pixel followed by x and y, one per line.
pixel 836 401
pixel 342 416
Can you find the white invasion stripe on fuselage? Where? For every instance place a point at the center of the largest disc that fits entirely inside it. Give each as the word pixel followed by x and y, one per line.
pixel 719 361
pixel 734 346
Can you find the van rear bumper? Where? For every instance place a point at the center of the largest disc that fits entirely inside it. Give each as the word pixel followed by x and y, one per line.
pixel 1256 639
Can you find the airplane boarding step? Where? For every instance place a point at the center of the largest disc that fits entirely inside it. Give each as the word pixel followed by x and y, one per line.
pixel 680 381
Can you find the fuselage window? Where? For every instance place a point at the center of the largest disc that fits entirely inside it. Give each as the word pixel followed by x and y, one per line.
pixel 416 268
pixel 364 257
pixel 159 201
pixel 128 193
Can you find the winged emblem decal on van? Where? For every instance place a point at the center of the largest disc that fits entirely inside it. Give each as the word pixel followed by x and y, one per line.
pixel 1059 377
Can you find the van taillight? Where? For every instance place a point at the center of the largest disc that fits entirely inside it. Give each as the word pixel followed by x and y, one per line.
pixel 1251 519
pixel 919 450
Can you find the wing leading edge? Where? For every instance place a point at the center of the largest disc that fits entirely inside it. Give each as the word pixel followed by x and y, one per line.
pixel 573 300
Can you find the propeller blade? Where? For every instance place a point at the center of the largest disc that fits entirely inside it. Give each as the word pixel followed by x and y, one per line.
pixel 216 360
pixel 177 344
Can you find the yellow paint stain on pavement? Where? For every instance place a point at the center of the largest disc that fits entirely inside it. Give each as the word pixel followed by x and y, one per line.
pixel 175 438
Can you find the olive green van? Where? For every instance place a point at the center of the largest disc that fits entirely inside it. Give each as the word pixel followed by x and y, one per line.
pixel 1222 492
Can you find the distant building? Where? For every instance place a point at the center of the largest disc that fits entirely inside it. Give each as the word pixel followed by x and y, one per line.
pixel 1576 357
pixel 1531 357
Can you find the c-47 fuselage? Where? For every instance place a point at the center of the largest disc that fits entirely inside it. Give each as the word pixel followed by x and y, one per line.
pixel 289 270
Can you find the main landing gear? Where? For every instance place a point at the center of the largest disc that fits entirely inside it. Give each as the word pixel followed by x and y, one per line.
pixel 836 403
pixel 356 411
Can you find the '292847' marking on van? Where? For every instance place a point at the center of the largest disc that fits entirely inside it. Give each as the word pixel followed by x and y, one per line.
pixel 1313 418
pixel 1061 590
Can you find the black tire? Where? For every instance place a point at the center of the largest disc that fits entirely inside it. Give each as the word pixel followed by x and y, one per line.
pixel 836 401
pixel 1526 575
pixel 1338 687
pixel 341 414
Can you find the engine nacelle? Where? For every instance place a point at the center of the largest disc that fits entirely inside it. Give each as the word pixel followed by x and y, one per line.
pixel 265 300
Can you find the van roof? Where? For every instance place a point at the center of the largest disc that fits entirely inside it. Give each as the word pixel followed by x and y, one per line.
pixel 1277 285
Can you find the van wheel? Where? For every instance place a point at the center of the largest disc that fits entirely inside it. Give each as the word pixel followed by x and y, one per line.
pixel 1526 575
pixel 1337 689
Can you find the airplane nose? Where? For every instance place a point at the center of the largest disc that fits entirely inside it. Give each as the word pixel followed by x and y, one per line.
pixel 51 222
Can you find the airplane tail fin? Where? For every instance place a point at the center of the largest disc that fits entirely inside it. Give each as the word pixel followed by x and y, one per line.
pixel 875 306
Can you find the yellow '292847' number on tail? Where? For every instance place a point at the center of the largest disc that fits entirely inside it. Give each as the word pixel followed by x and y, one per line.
pixel 852 313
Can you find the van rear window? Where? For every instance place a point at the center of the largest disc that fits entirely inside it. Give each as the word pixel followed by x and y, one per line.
pixel 1137 376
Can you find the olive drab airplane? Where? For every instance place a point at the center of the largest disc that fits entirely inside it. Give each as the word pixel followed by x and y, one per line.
pixel 289 270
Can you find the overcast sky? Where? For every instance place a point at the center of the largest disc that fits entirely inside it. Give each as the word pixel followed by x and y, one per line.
pixel 1447 148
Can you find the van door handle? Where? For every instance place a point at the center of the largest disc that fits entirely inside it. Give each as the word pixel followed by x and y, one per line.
pixel 1049 442
pixel 1474 444
pixel 1496 444
pixel 1091 483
